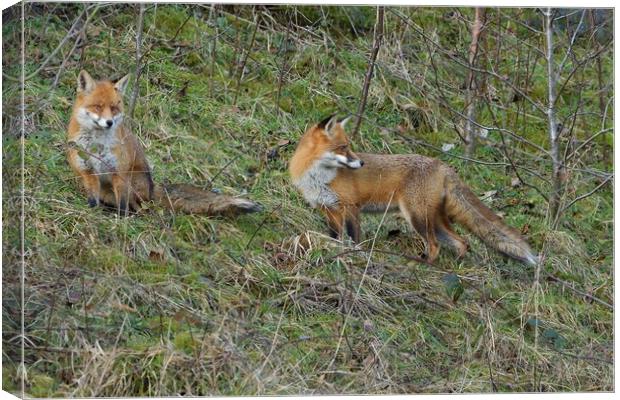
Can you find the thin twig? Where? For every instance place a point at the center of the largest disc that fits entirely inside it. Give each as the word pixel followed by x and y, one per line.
pixel 464 64
pixel 571 287
pixel 258 228
pixel 359 287
pixel 180 28
pixel 572 41
pixel 283 51
pixel 245 60
pixel 504 149
pixel 378 37
pixel 68 36
pixel 590 193
pixel 136 86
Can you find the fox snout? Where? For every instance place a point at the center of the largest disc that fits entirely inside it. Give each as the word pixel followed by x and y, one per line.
pixel 350 161
pixel 355 163
pixel 97 121
pixel 103 122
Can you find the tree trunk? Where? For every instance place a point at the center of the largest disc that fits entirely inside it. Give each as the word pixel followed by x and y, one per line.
pixel 378 37
pixel 556 179
pixel 139 28
pixel 471 86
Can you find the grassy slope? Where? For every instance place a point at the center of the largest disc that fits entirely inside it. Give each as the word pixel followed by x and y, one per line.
pixel 161 304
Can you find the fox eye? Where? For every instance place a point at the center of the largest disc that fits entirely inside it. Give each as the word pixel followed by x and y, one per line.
pixel 114 109
pixel 98 107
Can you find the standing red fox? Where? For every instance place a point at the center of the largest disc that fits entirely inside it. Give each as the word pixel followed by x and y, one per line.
pixel 428 193
pixel 111 161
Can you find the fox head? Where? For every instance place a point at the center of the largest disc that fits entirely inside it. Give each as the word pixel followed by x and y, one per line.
pixel 99 105
pixel 333 145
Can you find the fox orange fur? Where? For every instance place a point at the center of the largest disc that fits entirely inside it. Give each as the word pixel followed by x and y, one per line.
pixel 428 193
pixel 111 161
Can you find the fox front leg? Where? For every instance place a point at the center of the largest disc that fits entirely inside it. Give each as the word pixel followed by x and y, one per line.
pixel 341 221
pixel 91 181
pixel 335 222
pixel 352 224
pixel 93 189
pixel 120 186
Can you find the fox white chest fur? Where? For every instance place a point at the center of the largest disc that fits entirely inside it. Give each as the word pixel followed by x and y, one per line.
pixel 98 146
pixel 314 185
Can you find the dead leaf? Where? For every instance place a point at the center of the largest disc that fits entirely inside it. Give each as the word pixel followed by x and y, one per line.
pixel 272 154
pixel 488 195
pixel 124 307
pixel 280 258
pixel 369 361
pixel 157 254
pixel 283 142
pixel 73 296
pixel 94 30
pixel 183 91
pixel 515 182
pixel 447 147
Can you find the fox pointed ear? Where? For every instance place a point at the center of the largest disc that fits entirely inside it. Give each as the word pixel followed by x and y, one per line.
pixel 344 121
pixel 86 83
pixel 328 124
pixel 121 84
pixel 331 124
pixel 323 123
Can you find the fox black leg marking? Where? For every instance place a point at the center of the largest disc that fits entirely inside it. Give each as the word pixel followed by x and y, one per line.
pixel 92 201
pixel 333 233
pixel 122 207
pixel 352 230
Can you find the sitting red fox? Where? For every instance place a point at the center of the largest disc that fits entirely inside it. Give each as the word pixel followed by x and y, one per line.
pixel 427 192
pixel 111 161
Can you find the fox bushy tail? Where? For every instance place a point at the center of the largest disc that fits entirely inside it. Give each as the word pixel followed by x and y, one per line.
pixel 194 200
pixel 465 207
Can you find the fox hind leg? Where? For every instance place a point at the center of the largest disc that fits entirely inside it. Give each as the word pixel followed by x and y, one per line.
pixel 425 228
pixel 446 235
pixel 120 188
pixel 424 223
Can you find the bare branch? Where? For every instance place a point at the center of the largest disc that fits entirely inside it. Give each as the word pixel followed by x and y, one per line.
pixel 472 88
pixel 71 33
pixel 283 51
pixel 572 41
pixel 590 139
pixel 590 193
pixel 378 37
pixel 136 84
pixel 245 60
pixel 554 278
pixel 463 64
pixel 554 203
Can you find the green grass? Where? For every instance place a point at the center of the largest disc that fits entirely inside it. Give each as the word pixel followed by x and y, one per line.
pixel 161 305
